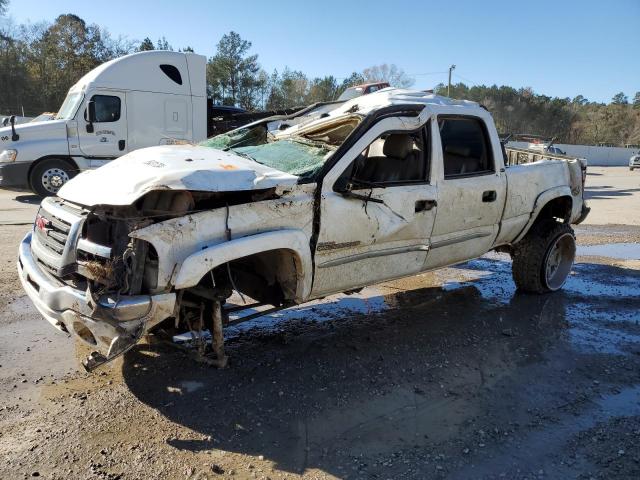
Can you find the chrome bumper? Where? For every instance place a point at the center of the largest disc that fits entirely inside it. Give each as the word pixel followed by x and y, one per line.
pixel 110 325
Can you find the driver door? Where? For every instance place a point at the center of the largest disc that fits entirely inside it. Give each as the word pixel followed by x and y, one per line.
pixel 377 215
pixel 109 137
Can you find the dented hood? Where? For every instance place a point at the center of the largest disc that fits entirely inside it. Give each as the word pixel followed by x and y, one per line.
pixel 174 167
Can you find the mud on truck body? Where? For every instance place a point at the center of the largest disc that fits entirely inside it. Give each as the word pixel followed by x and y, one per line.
pixel 291 209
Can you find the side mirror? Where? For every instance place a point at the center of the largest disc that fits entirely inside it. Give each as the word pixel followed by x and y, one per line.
pixel 14 136
pixel 342 185
pixel 90 115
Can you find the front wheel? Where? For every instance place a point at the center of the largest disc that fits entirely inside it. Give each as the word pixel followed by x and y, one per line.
pixel 631 168
pixel 542 260
pixel 48 176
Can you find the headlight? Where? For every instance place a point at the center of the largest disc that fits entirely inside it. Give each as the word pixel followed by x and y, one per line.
pixel 8 155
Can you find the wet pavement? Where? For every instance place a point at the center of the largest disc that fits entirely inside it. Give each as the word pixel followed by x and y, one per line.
pixel 449 374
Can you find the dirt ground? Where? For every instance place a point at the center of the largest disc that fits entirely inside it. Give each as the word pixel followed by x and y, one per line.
pixel 450 374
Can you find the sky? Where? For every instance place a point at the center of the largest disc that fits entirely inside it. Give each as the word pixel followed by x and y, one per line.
pixel 559 48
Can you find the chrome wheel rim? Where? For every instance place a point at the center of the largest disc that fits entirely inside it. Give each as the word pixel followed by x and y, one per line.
pixel 559 260
pixel 54 178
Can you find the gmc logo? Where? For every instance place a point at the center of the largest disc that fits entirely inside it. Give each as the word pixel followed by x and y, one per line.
pixel 42 223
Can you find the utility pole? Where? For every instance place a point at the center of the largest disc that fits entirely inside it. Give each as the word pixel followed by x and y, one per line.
pixel 451 69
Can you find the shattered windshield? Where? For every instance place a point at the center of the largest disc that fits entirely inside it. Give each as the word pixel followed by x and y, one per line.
pixel 294 156
pixel 302 153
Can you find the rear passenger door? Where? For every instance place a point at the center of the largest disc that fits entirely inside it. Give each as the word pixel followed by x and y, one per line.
pixel 471 191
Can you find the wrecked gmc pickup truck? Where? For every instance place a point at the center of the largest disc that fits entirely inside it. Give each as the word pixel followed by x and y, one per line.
pixel 290 209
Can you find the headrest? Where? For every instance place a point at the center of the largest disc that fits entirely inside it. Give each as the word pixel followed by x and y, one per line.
pixel 458 150
pixel 398 145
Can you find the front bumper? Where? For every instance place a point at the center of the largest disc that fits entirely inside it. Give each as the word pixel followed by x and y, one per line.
pixel 14 174
pixel 111 325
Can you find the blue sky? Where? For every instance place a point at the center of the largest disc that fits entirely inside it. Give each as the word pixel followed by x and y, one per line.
pixel 560 48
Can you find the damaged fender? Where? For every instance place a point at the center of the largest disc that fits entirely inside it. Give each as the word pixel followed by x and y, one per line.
pixel 196 266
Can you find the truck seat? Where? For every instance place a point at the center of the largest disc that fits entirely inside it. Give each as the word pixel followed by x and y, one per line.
pixel 402 161
pixel 458 160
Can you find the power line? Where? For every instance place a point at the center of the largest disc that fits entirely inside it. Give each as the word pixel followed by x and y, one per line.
pixel 465 79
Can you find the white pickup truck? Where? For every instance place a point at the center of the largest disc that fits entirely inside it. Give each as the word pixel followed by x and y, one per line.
pixel 284 211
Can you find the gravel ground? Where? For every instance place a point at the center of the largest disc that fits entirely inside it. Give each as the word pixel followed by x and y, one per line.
pixel 450 374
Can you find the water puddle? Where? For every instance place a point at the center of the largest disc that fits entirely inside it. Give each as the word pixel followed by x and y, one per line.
pixel 620 251
pixel 191 386
pixel 598 302
pixel 368 301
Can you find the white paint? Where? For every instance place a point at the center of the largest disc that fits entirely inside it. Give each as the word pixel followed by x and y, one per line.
pixel 172 167
pixel 198 264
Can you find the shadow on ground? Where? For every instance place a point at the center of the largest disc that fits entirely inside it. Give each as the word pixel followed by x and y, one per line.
pixel 30 199
pixel 606 191
pixel 419 378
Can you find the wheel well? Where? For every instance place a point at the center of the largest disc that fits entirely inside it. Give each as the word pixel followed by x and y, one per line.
pixel 268 277
pixel 33 165
pixel 559 208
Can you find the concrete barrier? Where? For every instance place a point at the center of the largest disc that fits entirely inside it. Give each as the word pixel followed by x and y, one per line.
pixel 596 156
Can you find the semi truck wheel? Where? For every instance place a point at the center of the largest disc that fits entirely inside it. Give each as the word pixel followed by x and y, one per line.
pixel 48 176
pixel 542 260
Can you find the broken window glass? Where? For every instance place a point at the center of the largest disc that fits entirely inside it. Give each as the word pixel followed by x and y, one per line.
pixel 291 156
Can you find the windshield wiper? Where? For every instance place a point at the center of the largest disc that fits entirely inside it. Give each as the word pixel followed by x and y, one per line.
pixel 242 154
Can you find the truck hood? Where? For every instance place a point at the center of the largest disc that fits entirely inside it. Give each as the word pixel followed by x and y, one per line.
pixel 34 131
pixel 174 167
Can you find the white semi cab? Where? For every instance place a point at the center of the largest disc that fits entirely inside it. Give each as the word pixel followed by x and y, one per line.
pixel 136 101
pixel 285 211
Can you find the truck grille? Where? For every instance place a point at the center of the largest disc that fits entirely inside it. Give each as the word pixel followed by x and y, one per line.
pixel 52 232
pixel 56 231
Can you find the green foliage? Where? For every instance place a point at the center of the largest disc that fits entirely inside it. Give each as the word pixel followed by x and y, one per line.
pixel 233 76
pixel 3 7
pixel 620 99
pixel 146 45
pixel 569 121
pixel 39 63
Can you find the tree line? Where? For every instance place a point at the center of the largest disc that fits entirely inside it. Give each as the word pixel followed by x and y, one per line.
pixel 39 62
pixel 577 120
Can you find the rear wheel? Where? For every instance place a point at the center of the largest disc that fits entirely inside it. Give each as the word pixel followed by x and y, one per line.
pixel 542 260
pixel 48 176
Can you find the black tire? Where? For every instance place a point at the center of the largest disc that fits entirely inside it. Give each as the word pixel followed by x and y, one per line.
pixel 532 262
pixel 631 168
pixel 49 175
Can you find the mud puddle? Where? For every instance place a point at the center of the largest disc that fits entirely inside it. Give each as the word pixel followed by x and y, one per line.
pixel 620 251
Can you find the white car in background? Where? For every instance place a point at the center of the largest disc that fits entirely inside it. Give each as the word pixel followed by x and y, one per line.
pixel 634 161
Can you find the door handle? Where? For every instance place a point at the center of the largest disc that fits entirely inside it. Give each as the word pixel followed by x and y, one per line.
pixel 425 205
pixel 489 196
pixel 121 144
